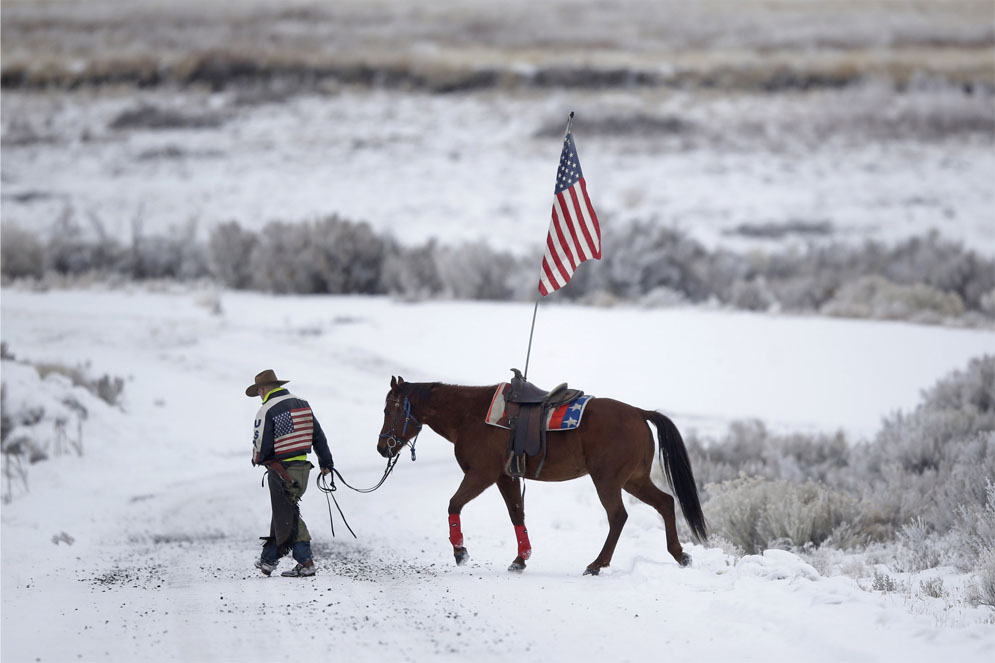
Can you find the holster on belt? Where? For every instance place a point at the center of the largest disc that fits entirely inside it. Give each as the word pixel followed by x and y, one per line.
pixel 281 471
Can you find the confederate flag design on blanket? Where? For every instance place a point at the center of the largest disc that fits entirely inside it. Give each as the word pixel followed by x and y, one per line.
pixel 564 417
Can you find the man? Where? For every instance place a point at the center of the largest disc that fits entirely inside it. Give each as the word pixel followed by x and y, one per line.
pixel 285 431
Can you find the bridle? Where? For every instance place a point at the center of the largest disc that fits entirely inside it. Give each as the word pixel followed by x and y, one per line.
pixel 395 440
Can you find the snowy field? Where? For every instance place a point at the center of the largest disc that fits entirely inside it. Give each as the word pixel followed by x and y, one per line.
pixel 164 508
pixel 481 167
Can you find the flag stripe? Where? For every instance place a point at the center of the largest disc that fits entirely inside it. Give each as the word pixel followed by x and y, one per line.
pixel 561 249
pixel 552 253
pixel 551 275
pixel 292 442
pixel 577 223
pixel 545 281
pixel 296 435
pixel 575 242
pixel 582 222
pixel 570 198
pixel 566 216
pixel 543 290
pixel 593 217
pixel 305 447
pixel 565 243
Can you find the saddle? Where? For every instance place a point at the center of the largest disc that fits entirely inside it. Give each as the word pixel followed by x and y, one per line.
pixel 527 407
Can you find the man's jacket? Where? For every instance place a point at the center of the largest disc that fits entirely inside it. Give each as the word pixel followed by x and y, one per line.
pixel 286 428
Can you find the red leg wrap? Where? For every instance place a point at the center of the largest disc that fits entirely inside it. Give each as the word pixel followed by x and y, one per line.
pixel 455 533
pixel 524 547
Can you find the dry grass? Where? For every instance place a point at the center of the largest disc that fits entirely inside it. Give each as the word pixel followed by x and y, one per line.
pixel 461 44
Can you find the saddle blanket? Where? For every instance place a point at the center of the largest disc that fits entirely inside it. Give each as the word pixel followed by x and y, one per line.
pixel 564 417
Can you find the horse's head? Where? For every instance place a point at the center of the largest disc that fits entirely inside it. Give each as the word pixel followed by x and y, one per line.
pixel 400 426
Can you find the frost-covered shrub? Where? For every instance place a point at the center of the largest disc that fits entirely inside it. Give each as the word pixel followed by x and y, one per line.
pixel 937 459
pixel 974 531
pixel 942 264
pixel 42 418
pixel 20 252
pixel 752 295
pixel 755 513
pixel 988 304
pixel 920 494
pixel 749 448
pixel 177 256
pixel 276 262
pixel 919 550
pixel 327 256
pixel 229 250
pixel 6 423
pixel 884 583
pixel 662 297
pixel 985 574
pixel 877 297
pixel 474 271
pixel 146 116
pixel 932 588
pixel 647 257
pixel 348 256
pixel 106 387
pixel 412 273
pixel 71 250
pixel 924 279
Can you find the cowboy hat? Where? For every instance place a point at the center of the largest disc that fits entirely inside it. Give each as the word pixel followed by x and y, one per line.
pixel 266 377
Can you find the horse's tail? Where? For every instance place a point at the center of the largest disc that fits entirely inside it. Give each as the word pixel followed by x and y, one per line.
pixel 677 466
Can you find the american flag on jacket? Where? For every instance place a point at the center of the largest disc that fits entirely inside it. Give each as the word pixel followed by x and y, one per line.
pixel 574 234
pixel 292 431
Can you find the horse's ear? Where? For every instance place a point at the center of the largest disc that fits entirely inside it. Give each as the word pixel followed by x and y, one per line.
pixel 393 383
pixel 399 379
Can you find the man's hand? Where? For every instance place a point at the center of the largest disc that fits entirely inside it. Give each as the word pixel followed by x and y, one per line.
pixel 325 470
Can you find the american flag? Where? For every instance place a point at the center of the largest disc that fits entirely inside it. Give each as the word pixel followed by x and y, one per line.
pixel 292 430
pixel 574 234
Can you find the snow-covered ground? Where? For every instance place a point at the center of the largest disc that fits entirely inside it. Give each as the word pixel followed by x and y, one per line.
pixel 164 507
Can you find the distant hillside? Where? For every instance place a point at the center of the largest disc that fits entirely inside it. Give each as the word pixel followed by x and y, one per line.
pixel 463 45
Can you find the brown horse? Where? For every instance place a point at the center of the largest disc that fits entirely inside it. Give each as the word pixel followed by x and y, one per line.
pixel 614 445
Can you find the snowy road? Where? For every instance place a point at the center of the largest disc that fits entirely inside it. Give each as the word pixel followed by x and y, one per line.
pixel 164 508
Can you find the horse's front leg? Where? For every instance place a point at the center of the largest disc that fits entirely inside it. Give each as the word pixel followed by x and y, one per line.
pixel 512 494
pixel 471 486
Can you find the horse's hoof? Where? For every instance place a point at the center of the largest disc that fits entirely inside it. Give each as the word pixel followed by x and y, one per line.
pixel 518 565
pixel 685 559
pixel 462 556
pixel 592 571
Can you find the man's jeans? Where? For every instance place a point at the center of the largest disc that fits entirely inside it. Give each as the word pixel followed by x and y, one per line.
pixel 299 471
pixel 301 552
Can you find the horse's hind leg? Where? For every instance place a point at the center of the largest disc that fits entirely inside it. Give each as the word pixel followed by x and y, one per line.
pixel 512 494
pixel 644 489
pixel 611 498
pixel 471 486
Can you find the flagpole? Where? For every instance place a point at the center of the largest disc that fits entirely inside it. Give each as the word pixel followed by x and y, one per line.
pixel 531 331
pixel 535 309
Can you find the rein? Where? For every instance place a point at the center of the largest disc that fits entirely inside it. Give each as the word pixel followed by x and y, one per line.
pixel 394 441
pixel 329 488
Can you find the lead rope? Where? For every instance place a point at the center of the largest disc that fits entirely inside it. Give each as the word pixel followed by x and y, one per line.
pixel 391 463
pixel 329 490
